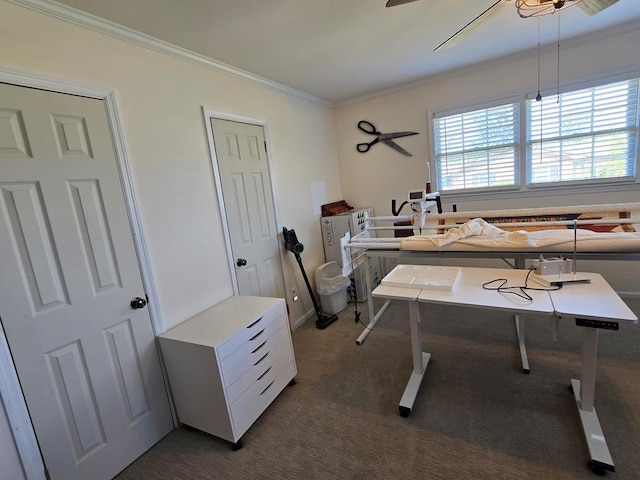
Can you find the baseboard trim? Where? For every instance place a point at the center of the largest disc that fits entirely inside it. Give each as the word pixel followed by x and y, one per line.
pixel 300 321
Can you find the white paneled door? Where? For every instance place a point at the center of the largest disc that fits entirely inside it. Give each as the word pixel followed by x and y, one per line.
pixel 86 359
pixel 249 206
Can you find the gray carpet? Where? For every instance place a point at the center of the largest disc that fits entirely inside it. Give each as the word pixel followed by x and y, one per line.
pixel 477 416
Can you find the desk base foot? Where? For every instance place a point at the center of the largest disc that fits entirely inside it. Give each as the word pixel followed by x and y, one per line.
pixel 411 391
pixel 601 460
pixel 598 469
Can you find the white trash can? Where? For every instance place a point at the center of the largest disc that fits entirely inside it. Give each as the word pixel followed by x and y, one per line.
pixel 332 288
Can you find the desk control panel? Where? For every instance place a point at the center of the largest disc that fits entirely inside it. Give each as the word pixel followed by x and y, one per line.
pixel 581 322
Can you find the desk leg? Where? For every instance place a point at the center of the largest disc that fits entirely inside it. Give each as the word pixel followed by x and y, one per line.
pixel 519 263
pixel 584 392
pixel 374 319
pixel 523 348
pixel 373 316
pixel 420 361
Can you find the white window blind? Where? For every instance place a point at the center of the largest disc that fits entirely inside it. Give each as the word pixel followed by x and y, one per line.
pixel 583 135
pixel 478 149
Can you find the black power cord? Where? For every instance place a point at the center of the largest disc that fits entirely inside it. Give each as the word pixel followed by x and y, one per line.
pixel 518 290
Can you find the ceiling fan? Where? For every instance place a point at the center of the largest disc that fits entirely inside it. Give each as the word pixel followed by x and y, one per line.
pixel 525 8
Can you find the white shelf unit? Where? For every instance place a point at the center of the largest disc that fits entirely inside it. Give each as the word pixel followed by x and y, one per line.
pixel 334 228
pixel 227 364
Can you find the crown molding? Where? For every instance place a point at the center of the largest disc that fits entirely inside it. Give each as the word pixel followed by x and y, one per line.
pixel 92 22
pixel 97 24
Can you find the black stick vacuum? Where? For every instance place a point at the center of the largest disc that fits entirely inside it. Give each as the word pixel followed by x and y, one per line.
pixel 292 244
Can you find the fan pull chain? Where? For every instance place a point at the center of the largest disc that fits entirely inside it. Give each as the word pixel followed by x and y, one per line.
pixel 558 67
pixel 538 96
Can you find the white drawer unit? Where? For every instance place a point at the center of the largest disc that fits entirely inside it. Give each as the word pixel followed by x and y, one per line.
pixel 227 364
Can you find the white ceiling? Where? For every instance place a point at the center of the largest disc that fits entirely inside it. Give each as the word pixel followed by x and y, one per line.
pixel 338 50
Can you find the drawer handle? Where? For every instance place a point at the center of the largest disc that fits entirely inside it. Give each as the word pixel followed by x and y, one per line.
pixel 256 335
pixel 268 387
pixel 265 372
pixel 254 323
pixel 259 346
pixel 263 357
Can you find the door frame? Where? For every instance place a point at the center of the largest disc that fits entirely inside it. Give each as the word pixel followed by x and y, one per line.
pixel 214 114
pixel 10 392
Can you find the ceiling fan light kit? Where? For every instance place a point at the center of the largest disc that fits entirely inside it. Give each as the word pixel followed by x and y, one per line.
pixel 537 8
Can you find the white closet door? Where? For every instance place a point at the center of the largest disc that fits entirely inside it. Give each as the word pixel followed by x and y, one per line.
pixel 86 360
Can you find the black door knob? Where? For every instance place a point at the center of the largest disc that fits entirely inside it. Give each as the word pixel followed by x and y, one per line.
pixel 138 303
pixel 241 262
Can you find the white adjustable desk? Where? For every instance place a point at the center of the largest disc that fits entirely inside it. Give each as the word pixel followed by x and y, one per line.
pixel 592 305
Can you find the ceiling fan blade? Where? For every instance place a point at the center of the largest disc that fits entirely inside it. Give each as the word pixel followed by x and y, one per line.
pixel 395 3
pixel 591 7
pixel 453 39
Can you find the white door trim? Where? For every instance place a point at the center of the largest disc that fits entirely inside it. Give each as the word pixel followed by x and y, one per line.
pixel 10 391
pixel 208 115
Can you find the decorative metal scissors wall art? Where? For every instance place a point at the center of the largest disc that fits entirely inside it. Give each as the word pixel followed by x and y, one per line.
pixel 386 138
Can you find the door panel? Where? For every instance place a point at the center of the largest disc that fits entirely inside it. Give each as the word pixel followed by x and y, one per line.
pixel 87 361
pixel 250 214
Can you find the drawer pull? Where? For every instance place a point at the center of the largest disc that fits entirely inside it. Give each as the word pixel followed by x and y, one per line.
pixel 259 347
pixel 263 357
pixel 265 372
pixel 254 323
pixel 256 335
pixel 268 386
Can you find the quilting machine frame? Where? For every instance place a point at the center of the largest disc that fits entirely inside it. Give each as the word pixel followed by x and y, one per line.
pixel 391 248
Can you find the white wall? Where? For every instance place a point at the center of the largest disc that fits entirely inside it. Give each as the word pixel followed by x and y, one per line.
pixel 160 100
pixel 374 178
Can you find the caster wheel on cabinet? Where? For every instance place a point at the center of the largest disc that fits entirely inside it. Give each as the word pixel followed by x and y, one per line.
pixel 236 446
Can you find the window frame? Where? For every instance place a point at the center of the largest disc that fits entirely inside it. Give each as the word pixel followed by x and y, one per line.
pixel 523 188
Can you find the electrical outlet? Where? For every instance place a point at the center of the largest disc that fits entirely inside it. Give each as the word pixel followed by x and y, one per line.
pixel 294 294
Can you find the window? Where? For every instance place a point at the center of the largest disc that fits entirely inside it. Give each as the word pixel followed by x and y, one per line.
pixel 580 136
pixel 479 148
pixel 583 135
